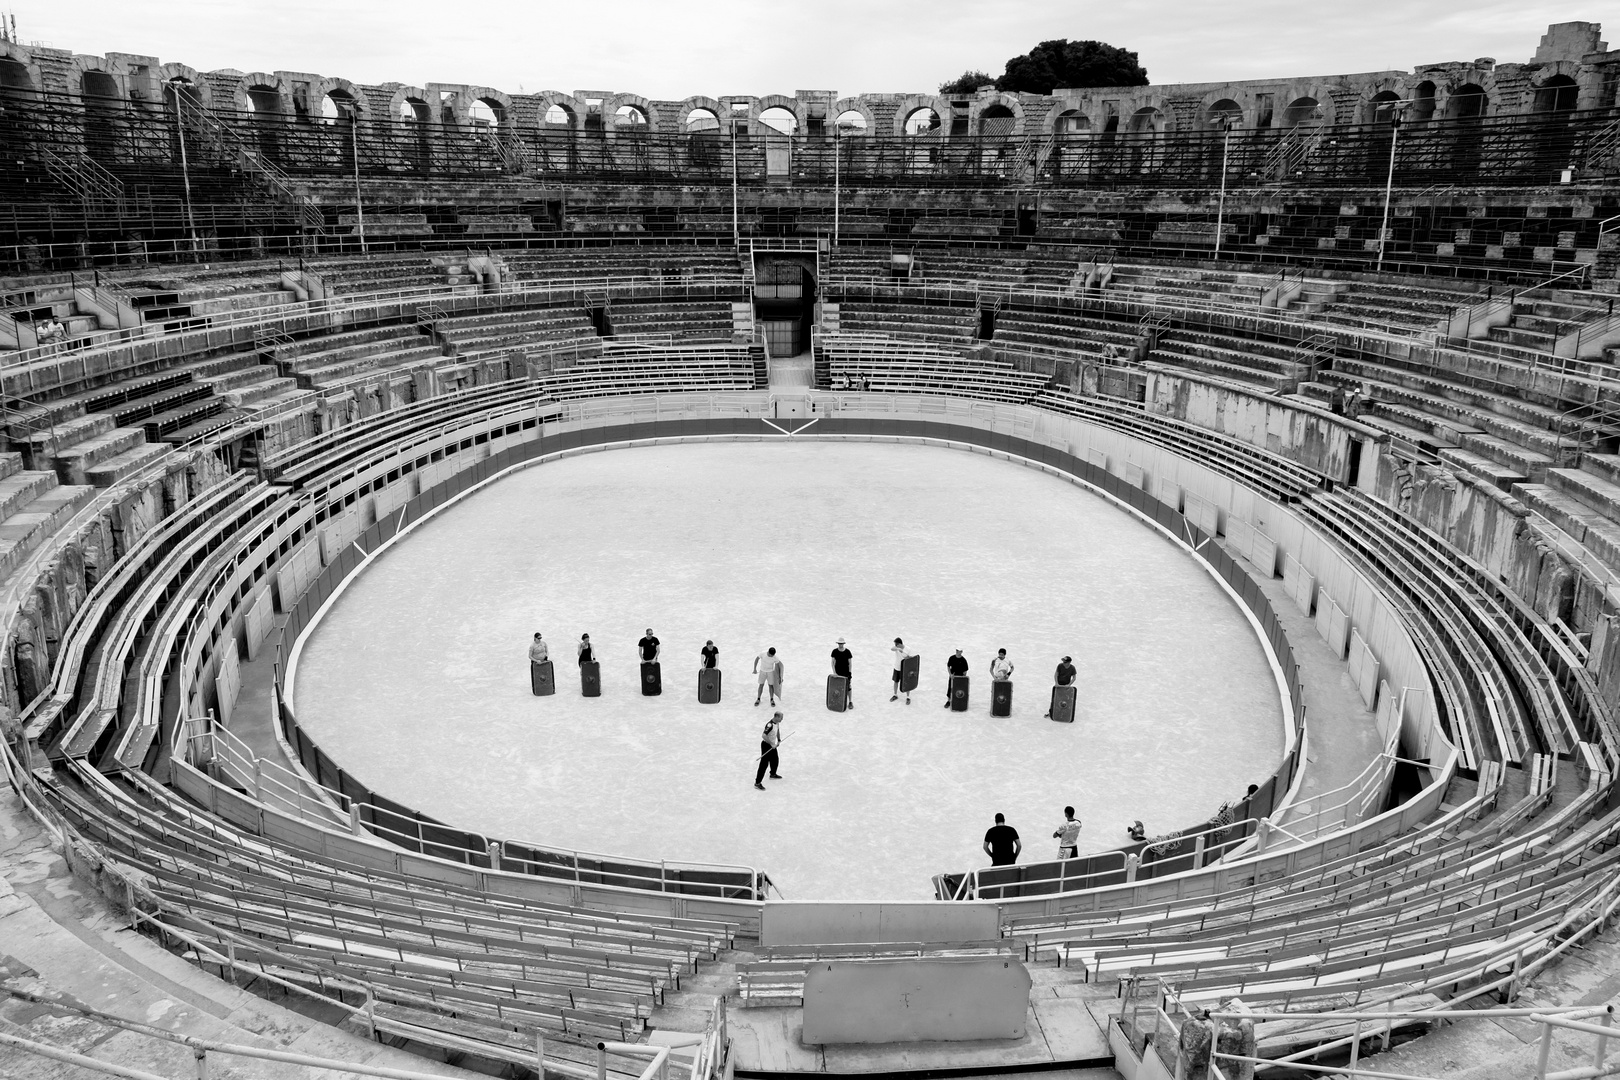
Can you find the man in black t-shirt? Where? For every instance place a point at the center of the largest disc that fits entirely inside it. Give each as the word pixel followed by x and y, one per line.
pixel 649 647
pixel 841 657
pixel 1064 676
pixel 956 665
pixel 711 655
pixel 1001 843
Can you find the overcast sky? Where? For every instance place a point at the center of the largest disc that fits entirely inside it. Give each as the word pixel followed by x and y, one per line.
pixel 666 49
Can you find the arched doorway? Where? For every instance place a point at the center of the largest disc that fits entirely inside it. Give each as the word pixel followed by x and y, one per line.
pixel 997 122
pixel 1555 138
pixel 1071 145
pixel 102 105
pixel 265 118
pixel 1382 114
pixel 1557 94
pixel 1466 108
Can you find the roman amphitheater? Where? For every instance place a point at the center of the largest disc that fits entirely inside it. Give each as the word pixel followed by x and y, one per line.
pixel 1288 408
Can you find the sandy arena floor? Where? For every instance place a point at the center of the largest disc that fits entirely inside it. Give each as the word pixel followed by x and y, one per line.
pixel 417 679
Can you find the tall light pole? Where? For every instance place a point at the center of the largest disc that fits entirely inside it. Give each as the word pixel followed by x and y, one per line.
pixel 837 133
pixel 176 86
pixel 736 224
pixel 359 209
pixel 1396 108
pixel 1228 121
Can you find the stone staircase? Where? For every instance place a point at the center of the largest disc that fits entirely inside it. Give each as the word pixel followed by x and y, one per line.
pixel 33 505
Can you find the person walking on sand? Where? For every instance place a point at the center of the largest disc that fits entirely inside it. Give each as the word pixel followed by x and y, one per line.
pixel 901 654
pixel 1068 835
pixel 769 669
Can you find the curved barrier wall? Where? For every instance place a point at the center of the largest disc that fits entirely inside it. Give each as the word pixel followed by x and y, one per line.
pixel 1016 431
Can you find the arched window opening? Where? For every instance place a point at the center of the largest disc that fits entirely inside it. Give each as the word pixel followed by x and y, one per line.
pixel 1147 121
pixel 264 101
pixel 629 117
pixel 1466 103
pixel 560 116
pixel 1381 107
pixel 14 75
pixel 1422 102
pixel 1557 94
pixel 997 120
pixel 1072 122
pixel 851 122
pixel 1305 110
pixel 923 121
pixel 780 119
pixel 99 84
pixel 702 122
pixel 1223 113
pixel 337 106
pixel 485 113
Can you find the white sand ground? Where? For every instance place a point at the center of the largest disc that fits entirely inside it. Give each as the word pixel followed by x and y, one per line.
pixel 417 680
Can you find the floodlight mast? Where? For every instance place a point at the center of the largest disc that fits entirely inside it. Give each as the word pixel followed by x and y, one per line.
pixel 1396 109
pixel 1228 121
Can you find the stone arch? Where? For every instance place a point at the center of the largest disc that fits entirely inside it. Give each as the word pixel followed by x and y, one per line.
pixel 574 106
pixel 775 101
pixel 18 71
pixel 912 103
pixel 1068 118
pixel 855 105
pixel 1147 120
pixel 498 103
pixel 343 91
pixel 413 98
pixel 997 104
pixel 613 104
pixel 1554 89
pixel 1305 109
pixel 197 91
pixel 1379 108
pixel 679 122
pixel 1423 101
pixel 1215 115
pixel 257 89
pixel 96 72
pixel 1466 101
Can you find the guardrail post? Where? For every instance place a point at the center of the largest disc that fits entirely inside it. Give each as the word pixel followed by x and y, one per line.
pixel 601 1061
pixel 371 1013
pixel 1603 1040
pixel 540 1054
pixel 1546 1048
pixel 202 1062
pixel 354 818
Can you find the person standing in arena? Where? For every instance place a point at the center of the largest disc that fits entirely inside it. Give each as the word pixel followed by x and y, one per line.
pixel 1068 835
pixel 649 647
pixel 1001 668
pixel 769 740
pixel 956 665
pixel 769 670
pixel 842 658
pixel 900 656
pixel 539 653
pixel 1063 676
pixel 711 655
pixel 586 653
pixel 1001 843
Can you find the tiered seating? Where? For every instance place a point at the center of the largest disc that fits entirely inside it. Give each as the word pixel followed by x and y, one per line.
pixel 917 321
pixel 34 504
pixel 321 361
pixel 375 273
pixel 895 365
pixel 1261 363
pixel 469 335
pixel 1065 332
pixel 653 369
pixel 99 436
pixel 596 263
pixel 693 320
pixel 1395 306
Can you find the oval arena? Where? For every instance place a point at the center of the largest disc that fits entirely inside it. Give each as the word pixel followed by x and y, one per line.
pixel 1285 407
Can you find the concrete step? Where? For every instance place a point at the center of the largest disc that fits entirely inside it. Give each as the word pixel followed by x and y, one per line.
pixel 1586 526
pixel 21 488
pixel 113 469
pixel 218 366
pixel 1532 463
pixel 217 305
pixel 74 463
pixel 25 530
pixel 41 447
pixel 1606 466
pixel 11 462
pixel 1595 491
pixel 327 373
pixel 1501 476
pixel 255 393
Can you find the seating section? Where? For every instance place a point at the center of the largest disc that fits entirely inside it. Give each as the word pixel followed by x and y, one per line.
pixel 1520 859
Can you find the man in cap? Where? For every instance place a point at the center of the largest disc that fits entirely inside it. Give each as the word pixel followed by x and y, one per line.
pixel 769 740
pixel 841 659
pixel 1064 676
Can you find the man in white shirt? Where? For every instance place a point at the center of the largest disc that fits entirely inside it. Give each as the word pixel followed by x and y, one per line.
pixel 1068 835
pixel 901 654
pixel 769 670
pixel 1001 668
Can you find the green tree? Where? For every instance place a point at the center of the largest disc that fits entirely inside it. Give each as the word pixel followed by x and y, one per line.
pixel 967 82
pixel 1059 63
